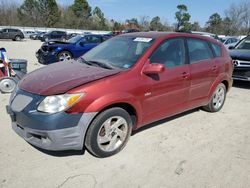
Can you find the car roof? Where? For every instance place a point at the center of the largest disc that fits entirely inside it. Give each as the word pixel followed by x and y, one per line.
pixel 229 37
pixel 156 35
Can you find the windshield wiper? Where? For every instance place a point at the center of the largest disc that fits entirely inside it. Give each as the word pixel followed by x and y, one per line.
pixel 85 61
pixel 102 64
pixel 99 64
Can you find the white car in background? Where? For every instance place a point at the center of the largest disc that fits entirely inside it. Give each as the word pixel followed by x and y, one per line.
pixel 230 41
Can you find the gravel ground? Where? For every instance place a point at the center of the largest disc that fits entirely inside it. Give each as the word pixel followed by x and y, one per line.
pixel 194 149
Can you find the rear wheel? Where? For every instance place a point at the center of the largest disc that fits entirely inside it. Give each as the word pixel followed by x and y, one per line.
pixel 7 85
pixel 217 100
pixel 64 56
pixel 46 39
pixel 109 132
pixel 17 38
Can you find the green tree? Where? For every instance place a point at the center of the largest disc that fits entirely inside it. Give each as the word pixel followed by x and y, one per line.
pixel 155 24
pixel 49 12
pixel 99 18
pixel 227 26
pixel 28 13
pixel 196 26
pixel 132 23
pixel 214 24
pixel 182 17
pixel 82 14
pixel 81 9
pixel 116 26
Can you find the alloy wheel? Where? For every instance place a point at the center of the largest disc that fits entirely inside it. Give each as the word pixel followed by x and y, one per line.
pixel 219 97
pixel 112 133
pixel 65 56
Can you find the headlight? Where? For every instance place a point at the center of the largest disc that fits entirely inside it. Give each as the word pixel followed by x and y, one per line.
pixel 58 103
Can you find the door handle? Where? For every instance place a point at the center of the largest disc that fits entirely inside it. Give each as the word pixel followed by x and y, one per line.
pixel 185 75
pixel 214 68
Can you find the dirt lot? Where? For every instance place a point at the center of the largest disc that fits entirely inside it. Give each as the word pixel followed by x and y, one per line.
pixel 194 149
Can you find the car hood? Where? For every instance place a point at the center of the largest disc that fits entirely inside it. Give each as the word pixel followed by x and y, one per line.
pixel 59 78
pixel 55 44
pixel 240 54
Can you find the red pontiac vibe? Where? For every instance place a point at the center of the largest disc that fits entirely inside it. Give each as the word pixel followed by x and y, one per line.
pixel 124 83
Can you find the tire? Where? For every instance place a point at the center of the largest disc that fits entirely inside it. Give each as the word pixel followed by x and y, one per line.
pixel 46 39
pixel 109 132
pixel 64 56
pixel 63 39
pixel 7 85
pixel 18 38
pixel 217 99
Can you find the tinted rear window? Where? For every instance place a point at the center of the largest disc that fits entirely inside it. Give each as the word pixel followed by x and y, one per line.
pixel 198 50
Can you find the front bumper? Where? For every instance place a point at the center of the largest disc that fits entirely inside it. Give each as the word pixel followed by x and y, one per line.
pixel 46 58
pixel 241 70
pixel 60 131
pixel 241 74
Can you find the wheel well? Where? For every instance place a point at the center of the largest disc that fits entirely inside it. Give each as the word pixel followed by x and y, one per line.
pixel 65 51
pixel 226 84
pixel 129 108
pixel 16 36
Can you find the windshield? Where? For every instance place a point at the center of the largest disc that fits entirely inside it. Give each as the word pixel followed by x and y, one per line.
pixel 75 39
pixel 120 52
pixel 223 40
pixel 244 44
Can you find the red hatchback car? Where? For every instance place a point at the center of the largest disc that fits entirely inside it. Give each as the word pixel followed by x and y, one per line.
pixel 126 82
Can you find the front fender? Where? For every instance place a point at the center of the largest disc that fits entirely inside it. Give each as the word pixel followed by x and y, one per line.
pixel 116 98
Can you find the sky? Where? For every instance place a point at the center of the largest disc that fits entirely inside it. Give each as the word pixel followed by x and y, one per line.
pixel 121 10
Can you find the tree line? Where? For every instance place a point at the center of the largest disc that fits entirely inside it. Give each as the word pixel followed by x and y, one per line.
pixel 80 15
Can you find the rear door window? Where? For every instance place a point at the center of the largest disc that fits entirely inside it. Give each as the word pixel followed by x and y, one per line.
pixel 199 50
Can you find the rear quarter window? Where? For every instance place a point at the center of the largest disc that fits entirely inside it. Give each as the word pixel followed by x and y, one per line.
pixel 217 50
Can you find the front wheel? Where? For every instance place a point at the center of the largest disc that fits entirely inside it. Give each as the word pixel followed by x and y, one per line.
pixel 217 100
pixel 109 132
pixel 64 56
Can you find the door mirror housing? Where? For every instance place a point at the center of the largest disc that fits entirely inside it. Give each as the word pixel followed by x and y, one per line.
pixel 231 47
pixel 154 68
pixel 81 43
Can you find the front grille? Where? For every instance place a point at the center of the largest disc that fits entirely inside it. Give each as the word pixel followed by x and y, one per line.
pixel 241 63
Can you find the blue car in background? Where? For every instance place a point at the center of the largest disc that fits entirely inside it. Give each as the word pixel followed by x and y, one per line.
pixel 54 51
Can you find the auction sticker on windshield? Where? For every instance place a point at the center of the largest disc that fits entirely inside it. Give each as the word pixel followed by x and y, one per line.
pixel 140 39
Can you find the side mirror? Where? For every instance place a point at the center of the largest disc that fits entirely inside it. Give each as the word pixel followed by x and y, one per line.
pixel 154 68
pixel 81 43
pixel 231 47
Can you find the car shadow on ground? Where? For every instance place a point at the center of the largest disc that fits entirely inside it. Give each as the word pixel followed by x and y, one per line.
pixel 165 120
pixel 61 153
pixel 241 84
pixel 149 126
